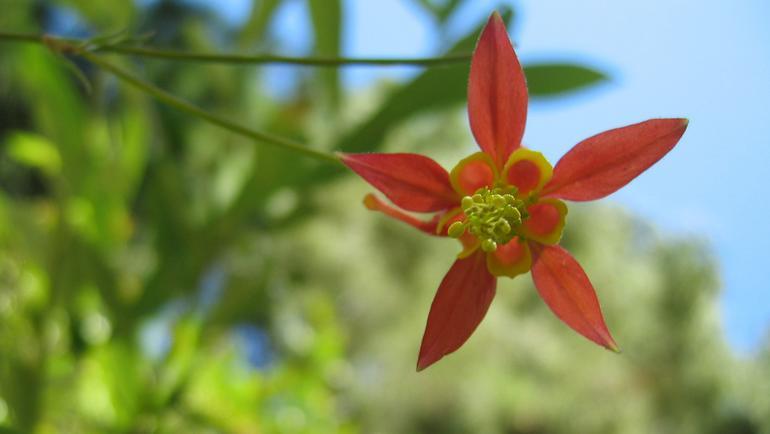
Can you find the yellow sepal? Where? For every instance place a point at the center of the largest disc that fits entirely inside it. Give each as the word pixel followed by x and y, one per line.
pixel 482 178
pixel 498 267
pixel 530 228
pixel 544 168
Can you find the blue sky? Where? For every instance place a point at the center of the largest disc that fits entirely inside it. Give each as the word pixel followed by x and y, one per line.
pixel 706 60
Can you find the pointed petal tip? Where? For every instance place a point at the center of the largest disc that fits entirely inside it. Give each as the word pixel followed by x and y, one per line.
pixel 422 364
pixel 612 346
pixel 682 127
pixel 427 359
pixel 606 341
pixel 676 123
pixel 683 122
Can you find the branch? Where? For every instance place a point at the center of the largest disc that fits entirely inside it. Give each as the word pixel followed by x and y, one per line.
pixel 254 59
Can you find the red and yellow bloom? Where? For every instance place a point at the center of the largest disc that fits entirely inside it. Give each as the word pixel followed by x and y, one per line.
pixel 505 203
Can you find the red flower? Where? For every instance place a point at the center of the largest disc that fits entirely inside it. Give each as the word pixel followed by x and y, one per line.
pixel 505 203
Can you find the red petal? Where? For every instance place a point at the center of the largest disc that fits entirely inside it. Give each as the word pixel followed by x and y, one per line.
pixel 565 288
pixel 604 163
pixel 413 182
pixel 430 226
pixel 460 304
pixel 497 93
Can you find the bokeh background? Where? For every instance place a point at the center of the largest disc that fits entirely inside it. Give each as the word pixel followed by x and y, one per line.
pixel 160 274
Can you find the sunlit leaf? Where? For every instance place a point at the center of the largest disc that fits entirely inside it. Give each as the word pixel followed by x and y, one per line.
pixel 110 385
pixel 34 151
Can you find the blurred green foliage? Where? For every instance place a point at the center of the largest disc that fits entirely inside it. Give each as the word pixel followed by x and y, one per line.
pixel 159 274
pixel 555 78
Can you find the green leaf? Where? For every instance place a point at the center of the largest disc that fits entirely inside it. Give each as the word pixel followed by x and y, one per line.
pixel 554 79
pixel 254 29
pixel 326 16
pixel 179 362
pixel 34 151
pixel 41 77
pixel 442 10
pixel 111 384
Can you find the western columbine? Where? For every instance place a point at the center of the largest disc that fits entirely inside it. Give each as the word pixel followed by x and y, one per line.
pixel 504 203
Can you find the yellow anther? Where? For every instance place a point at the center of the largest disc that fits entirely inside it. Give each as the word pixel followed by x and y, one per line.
pixel 510 211
pixel 456 229
pixel 466 203
pixel 488 245
pixel 504 227
pixel 498 201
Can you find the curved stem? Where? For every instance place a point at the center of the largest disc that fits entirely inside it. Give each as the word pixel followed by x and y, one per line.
pixel 182 105
pixel 21 37
pixel 330 62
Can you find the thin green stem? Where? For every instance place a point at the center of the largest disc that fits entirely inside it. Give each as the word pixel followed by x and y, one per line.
pixel 329 62
pixel 182 105
pixel 21 37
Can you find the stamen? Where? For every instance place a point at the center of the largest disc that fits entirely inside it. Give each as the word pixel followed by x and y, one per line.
pixel 492 215
pixel 456 229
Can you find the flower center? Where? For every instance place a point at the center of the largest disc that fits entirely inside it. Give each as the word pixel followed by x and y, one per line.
pixel 492 216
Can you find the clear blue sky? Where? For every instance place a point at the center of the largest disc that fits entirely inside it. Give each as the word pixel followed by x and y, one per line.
pixel 707 60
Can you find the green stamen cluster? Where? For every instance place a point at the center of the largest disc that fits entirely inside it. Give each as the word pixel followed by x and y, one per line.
pixel 492 215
